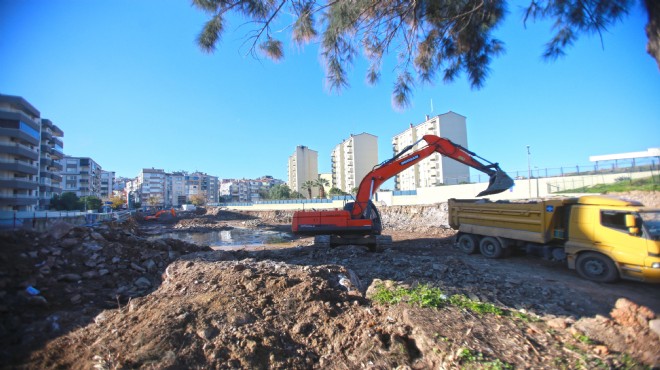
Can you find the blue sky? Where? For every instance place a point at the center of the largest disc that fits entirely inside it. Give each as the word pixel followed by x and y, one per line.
pixel 126 82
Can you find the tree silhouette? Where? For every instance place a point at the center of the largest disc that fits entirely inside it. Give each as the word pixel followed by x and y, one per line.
pixel 431 39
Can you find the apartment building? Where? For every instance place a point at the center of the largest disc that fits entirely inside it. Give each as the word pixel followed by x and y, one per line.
pixel 303 166
pixel 436 169
pixel 82 176
pixel 201 183
pixel 352 159
pixel 20 138
pixel 176 193
pixel 151 184
pixel 245 190
pixel 50 163
pixel 107 184
pixel 31 150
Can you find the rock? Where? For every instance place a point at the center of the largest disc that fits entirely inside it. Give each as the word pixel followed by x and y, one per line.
pixel 601 350
pixel 557 323
pixel 150 265
pixel 137 267
pixel 92 246
pixel 90 274
pixel 142 282
pixel 207 333
pixel 59 229
pixel 69 242
pixel 38 300
pixel 654 325
pixel 100 318
pixel 103 272
pixel 72 278
pixel 90 263
pixel 628 313
pixel 97 236
pixel 76 299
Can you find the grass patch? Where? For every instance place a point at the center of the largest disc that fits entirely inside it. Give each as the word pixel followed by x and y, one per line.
pixel 424 295
pixel 472 359
pixel 622 184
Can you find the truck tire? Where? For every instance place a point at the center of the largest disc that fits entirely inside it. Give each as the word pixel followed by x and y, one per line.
pixel 491 247
pixel 596 267
pixel 467 243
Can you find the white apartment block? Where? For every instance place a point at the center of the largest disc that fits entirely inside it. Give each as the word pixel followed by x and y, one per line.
pixel 152 186
pixel 82 176
pixel 436 169
pixel 107 184
pixel 353 159
pixel 176 194
pixel 246 190
pixel 201 183
pixel 303 166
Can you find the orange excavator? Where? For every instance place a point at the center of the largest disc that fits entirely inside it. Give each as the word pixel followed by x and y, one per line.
pixel 359 222
pixel 159 213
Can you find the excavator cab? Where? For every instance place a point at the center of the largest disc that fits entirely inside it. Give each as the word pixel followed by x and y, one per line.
pixel 499 182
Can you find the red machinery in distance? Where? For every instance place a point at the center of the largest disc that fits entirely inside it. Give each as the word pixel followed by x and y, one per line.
pixel 359 221
pixel 160 213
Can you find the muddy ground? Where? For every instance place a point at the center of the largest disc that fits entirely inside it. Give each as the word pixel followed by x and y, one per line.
pixel 109 297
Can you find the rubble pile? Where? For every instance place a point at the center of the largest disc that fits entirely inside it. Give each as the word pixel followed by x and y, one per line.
pixel 213 309
pixel 426 219
pixel 51 282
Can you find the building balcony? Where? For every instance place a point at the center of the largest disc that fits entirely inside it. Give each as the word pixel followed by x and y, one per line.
pixel 48 188
pixel 19 167
pixel 17 183
pixel 18 134
pixel 18 200
pixel 20 150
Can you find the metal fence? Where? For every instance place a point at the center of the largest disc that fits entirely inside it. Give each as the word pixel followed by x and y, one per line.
pixel 17 219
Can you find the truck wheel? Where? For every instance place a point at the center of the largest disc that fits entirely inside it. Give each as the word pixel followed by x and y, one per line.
pixel 596 267
pixel 467 243
pixel 491 247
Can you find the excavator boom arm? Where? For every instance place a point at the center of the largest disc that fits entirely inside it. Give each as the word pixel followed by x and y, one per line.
pixel 499 180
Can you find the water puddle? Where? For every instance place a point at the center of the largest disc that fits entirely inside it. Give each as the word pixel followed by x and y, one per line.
pixel 229 239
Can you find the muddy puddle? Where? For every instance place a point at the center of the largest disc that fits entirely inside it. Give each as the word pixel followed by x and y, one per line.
pixel 229 239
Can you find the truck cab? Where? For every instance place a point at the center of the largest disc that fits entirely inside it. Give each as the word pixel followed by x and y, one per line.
pixel 610 237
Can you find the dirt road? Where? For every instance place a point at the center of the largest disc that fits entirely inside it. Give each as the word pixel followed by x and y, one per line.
pixel 296 305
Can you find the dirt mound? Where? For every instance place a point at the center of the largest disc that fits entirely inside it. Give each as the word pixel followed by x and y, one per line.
pixel 52 282
pixel 425 219
pixel 650 199
pixel 214 311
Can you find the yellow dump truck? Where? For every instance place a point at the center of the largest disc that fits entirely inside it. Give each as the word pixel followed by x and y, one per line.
pixel 603 238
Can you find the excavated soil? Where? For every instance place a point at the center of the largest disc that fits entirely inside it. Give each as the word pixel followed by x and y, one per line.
pixel 109 298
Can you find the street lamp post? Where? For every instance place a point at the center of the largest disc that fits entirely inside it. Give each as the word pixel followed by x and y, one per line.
pixel 529 173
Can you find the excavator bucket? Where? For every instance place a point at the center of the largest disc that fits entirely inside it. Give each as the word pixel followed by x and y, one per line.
pixel 499 181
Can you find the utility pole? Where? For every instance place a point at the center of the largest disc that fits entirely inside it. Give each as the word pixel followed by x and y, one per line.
pixel 529 173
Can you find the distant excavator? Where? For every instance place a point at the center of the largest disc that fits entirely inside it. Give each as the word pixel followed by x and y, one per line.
pixel 157 215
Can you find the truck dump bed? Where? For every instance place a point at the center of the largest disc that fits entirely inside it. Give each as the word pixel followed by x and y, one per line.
pixel 537 221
